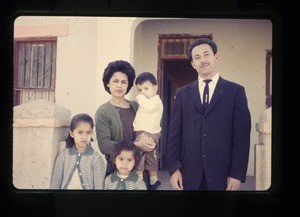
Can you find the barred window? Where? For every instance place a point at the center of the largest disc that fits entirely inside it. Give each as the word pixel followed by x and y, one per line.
pixel 34 70
pixel 176 45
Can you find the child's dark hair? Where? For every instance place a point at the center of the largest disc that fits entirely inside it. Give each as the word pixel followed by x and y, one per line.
pixel 145 76
pixel 74 122
pixel 126 145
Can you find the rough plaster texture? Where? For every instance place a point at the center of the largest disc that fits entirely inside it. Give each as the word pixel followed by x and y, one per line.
pixel 263 151
pixel 90 43
pixel 36 143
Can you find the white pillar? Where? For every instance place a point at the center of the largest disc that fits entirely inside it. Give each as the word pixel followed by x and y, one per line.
pixel 38 128
pixel 263 151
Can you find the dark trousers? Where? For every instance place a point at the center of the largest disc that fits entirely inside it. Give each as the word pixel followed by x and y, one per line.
pixel 146 178
pixel 203 185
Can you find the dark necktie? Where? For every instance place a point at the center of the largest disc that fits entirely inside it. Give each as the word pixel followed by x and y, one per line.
pixel 206 94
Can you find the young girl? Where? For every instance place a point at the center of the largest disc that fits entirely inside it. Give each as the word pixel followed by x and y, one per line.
pixel 79 166
pixel 126 158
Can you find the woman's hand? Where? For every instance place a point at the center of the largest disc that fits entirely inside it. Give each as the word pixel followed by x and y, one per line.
pixel 146 143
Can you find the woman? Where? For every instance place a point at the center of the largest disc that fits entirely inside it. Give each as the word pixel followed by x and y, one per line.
pixel 114 119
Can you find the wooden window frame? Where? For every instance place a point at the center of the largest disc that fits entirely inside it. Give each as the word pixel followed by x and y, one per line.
pixel 268 78
pixel 40 89
pixel 160 68
pixel 185 38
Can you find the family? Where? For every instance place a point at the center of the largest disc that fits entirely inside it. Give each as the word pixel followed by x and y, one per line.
pixel 208 135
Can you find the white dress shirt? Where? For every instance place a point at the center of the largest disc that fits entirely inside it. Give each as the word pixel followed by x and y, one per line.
pixel 211 86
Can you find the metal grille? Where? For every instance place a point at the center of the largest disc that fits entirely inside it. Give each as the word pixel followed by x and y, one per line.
pixel 34 70
pixel 175 47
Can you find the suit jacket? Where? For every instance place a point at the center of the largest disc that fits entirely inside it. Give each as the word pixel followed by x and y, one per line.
pixel 216 141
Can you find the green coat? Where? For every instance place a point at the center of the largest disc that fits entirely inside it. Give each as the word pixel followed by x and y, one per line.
pixel 109 128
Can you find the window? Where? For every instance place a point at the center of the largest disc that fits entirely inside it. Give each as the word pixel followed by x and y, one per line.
pixel 176 45
pixel 34 70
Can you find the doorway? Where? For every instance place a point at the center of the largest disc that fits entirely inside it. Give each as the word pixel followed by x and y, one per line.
pixel 174 71
pixel 176 74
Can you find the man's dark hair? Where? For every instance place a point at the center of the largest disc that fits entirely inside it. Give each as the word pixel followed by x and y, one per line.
pixel 199 41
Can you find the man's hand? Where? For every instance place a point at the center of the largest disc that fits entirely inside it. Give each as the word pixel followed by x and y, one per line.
pixel 233 184
pixel 176 180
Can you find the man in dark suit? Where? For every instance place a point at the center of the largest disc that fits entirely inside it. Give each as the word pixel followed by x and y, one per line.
pixel 208 148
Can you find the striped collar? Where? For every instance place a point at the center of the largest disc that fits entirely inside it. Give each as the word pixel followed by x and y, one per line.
pixel 87 152
pixel 132 177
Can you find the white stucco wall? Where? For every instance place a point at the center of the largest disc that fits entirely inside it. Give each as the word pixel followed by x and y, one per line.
pixel 242 48
pixel 38 128
pixel 114 43
pixel 76 61
pixel 93 42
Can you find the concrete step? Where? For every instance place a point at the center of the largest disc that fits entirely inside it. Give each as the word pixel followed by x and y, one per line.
pixel 164 177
